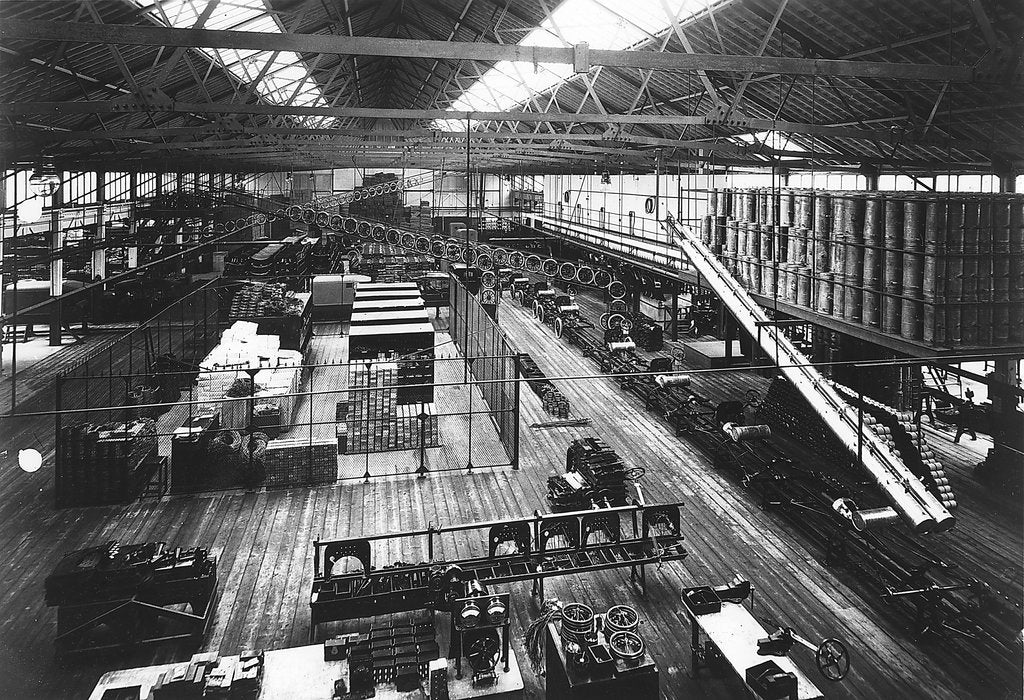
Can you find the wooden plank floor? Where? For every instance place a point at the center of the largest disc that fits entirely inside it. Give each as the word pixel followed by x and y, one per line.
pixel 262 540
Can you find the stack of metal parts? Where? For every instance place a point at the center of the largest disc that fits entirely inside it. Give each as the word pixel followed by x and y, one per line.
pixel 594 474
pixel 397 648
pixel 554 401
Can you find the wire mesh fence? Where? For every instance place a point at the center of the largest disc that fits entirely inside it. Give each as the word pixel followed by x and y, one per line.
pixel 167 409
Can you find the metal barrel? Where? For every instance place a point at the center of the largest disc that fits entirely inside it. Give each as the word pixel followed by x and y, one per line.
pixel 801 235
pixel 782 243
pixel 954 275
pixel 932 287
pixel 707 230
pixel 767 244
pixel 912 315
pixel 969 295
pixel 1001 249
pixel 721 225
pixel 723 202
pixel 985 267
pixel 853 259
pixel 754 241
pixel 803 292
pixel 782 282
pixel 755 274
pixel 825 293
pixel 793 283
pixel 749 203
pixel 787 204
pixel 840 205
pixel 732 232
pixel 714 195
pixel 872 279
pixel 822 232
pixel 892 264
pixel 764 206
pixel 805 210
pixel 769 279
pixel 1015 312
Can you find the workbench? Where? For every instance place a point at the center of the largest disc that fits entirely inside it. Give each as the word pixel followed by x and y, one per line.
pixel 300 673
pixel 734 631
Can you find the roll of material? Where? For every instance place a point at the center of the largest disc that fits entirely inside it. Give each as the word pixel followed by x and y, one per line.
pixel 742 433
pixel 667 380
pixel 622 346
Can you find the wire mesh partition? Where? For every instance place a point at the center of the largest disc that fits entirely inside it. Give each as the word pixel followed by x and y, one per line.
pixel 106 404
pixel 492 360
pixel 251 412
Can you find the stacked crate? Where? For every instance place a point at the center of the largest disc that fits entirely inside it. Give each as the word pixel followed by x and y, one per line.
pixel 409 426
pixel 383 262
pixel 297 462
pixel 371 403
pixel 104 464
pixel 421 218
pixel 375 421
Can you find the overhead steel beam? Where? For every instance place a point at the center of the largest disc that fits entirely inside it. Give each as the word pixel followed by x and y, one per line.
pixel 422 48
pixel 738 124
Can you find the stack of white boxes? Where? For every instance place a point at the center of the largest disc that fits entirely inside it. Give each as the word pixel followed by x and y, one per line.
pixel 242 349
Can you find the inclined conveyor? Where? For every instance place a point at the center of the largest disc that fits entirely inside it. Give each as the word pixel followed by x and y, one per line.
pixel 908 496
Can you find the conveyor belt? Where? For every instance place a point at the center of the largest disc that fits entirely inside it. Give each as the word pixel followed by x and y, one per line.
pixel 919 508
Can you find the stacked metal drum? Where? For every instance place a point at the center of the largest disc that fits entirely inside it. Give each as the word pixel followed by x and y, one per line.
pixel 943 269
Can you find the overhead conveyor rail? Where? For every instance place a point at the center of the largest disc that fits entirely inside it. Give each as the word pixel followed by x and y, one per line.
pixel 905 492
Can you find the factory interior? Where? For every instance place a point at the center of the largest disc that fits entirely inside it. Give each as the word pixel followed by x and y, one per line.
pixel 566 349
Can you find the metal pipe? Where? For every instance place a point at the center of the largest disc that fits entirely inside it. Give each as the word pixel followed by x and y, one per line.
pixel 918 508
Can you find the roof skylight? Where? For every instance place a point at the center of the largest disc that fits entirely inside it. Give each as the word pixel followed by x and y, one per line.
pixel 603 24
pixel 286 81
pixel 770 139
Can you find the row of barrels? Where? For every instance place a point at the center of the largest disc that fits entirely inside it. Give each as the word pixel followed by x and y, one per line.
pixel 943 269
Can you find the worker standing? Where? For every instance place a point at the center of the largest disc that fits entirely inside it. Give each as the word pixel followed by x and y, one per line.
pixel 965 417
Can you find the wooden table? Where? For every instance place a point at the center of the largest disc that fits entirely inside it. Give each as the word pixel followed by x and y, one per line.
pixel 300 673
pixel 734 631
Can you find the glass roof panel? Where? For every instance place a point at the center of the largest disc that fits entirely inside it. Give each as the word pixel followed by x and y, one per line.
pixel 603 24
pixel 281 80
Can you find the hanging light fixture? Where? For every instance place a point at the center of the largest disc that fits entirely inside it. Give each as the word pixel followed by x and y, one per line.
pixel 44 180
